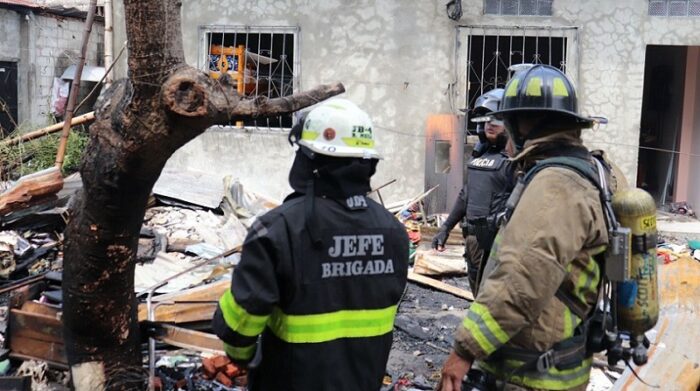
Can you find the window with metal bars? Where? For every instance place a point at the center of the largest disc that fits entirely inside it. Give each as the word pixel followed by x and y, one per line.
pixel 674 7
pixel 262 61
pixel 491 55
pixel 518 7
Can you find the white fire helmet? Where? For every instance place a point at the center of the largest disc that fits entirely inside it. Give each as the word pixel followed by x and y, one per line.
pixel 339 128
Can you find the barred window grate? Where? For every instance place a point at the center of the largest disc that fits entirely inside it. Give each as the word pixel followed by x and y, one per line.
pixel 518 7
pixel 490 54
pixel 270 64
pixel 694 8
pixel 674 8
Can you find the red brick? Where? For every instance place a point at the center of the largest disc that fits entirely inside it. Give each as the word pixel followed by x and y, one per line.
pixel 208 368
pixel 220 362
pixel 221 378
pixel 231 370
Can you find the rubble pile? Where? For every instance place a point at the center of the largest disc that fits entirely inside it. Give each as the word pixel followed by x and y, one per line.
pixel 185 256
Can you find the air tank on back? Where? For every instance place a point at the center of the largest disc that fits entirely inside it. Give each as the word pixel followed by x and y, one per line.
pixel 638 297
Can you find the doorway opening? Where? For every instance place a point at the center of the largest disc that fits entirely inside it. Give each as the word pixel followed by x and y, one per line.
pixel 661 122
pixel 8 97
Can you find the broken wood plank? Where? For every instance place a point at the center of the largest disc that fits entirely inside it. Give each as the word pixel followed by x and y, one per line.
pixel 31 188
pixel 36 335
pixel 36 326
pixel 79 120
pixel 187 312
pixel 189 339
pixel 27 292
pixel 29 348
pixel 41 309
pixel 431 262
pixel 441 286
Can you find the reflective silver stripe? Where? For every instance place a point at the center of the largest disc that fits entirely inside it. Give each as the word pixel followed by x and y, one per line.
pixel 474 317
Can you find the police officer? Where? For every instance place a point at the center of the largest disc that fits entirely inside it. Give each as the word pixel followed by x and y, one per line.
pixel 320 276
pixel 487 188
pixel 526 326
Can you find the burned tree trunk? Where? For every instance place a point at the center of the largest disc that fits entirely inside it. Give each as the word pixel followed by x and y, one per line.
pixel 142 122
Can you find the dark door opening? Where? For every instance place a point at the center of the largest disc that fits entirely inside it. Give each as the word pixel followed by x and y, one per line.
pixel 660 129
pixel 8 97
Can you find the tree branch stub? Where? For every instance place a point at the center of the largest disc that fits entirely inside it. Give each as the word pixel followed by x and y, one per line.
pixel 192 94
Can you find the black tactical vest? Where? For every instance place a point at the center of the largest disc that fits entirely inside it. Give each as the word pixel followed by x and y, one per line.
pixel 488 184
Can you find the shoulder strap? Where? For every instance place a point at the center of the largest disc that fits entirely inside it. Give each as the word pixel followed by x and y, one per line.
pixel 577 164
pixel 590 167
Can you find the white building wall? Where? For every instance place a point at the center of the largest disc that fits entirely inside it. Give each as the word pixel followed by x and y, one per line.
pixel 396 59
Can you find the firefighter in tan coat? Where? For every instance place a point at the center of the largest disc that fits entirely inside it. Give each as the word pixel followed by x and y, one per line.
pixel 541 280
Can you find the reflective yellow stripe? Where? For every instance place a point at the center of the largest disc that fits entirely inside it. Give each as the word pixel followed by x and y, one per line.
pixel 513 87
pixel 240 353
pixel 238 319
pixel 358 142
pixel 553 379
pixel 559 87
pixel 331 326
pixel 484 328
pixel 309 135
pixel 588 280
pixel 598 250
pixel 570 321
pixel 534 87
pixel 495 246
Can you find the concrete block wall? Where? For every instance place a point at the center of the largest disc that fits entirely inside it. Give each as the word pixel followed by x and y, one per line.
pixel 56 46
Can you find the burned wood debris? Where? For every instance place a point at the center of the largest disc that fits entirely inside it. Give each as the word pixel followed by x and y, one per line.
pixel 180 274
pixel 187 249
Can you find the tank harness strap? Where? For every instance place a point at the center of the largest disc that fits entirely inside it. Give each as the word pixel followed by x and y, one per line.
pixel 567 354
pixel 643 243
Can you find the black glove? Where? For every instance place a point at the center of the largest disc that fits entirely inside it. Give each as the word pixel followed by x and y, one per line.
pixel 440 238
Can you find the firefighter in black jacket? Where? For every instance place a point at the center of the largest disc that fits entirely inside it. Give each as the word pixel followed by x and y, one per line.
pixel 484 195
pixel 320 276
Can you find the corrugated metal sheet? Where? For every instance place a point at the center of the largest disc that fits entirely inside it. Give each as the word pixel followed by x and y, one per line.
pixel 674 356
pixel 90 73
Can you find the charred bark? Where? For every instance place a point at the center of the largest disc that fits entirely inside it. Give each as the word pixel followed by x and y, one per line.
pixel 141 123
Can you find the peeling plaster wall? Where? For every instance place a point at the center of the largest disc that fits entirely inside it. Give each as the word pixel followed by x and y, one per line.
pixel 396 59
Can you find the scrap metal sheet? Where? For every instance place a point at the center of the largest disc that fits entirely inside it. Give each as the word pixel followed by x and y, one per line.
pixel 674 356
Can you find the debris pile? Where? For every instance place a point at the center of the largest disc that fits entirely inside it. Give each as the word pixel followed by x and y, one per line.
pixel 190 240
pixel 190 370
pixel 186 249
